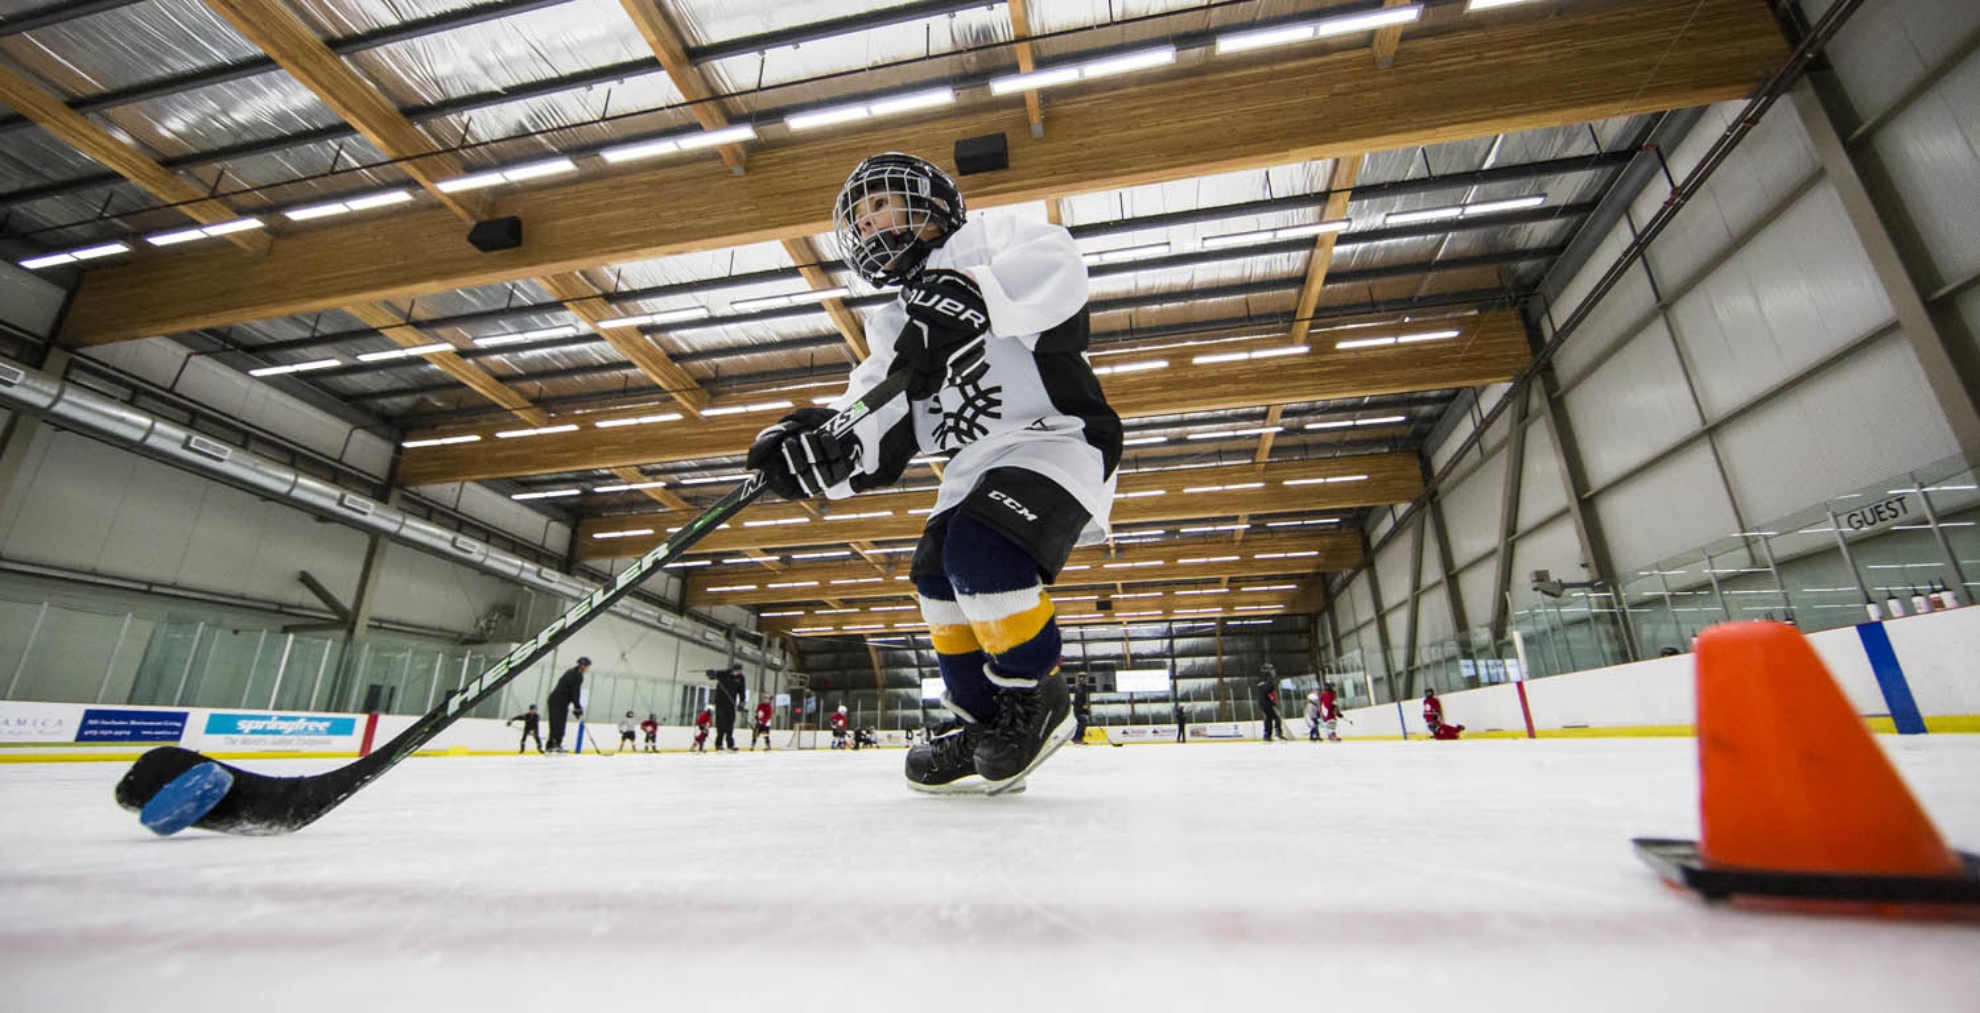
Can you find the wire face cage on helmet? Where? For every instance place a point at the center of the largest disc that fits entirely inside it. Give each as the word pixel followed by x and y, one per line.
pixel 884 211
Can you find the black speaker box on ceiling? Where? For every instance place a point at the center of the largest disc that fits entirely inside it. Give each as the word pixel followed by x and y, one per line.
pixel 982 154
pixel 496 234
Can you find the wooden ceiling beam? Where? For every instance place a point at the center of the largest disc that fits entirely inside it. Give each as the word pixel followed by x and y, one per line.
pixel 385 320
pixel 50 114
pixel 657 27
pixel 1391 478
pixel 1094 566
pixel 581 298
pixel 1073 606
pixel 1490 348
pixel 285 39
pixel 1474 80
pixel 1034 109
pixel 805 255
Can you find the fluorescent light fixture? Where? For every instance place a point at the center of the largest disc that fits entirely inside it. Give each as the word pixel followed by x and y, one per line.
pixel 205 232
pixel 1287 555
pixel 105 250
pixel 1368 22
pixel 379 200
pixel 740 409
pixel 794 299
pixel 1132 367
pixel 630 486
pixel 51 260
pixel 1142 494
pixel 774 615
pixel 628 533
pixel 1486 5
pixel 1201 528
pixel 510 434
pixel 776 522
pixel 661 317
pixel 712 138
pixel 1398 339
pixel 1325 481
pixel 1463 210
pixel 734 587
pixel 821 555
pixel 1349 423
pixel 1235 487
pixel 1425 215
pixel 406 353
pixel 1303 524
pixel 1269 587
pixel 706 479
pixel 547 494
pixel 1127 253
pixel 440 441
pixel 1263 353
pixel 1224 434
pixel 537 170
pixel 1144 441
pixel 671 145
pixel 514 174
pixel 1207 559
pixel 337 207
pixel 1105 67
pixel 296 367
pixel 864 110
pixel 643 420
pixel 1512 204
pixel 685 563
pixel 541 334
pixel 1263 38
pixel 792 583
pixel 859 516
pixel 1268 235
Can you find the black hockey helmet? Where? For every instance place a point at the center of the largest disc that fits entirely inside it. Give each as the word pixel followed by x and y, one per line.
pixel 585 662
pixel 920 192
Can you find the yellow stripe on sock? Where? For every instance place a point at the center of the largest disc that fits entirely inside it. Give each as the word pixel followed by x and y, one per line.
pixel 956 639
pixel 1000 635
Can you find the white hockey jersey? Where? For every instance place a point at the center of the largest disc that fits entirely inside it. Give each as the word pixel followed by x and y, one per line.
pixel 1036 406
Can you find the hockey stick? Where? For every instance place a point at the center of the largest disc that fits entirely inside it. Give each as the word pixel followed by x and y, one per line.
pixel 256 804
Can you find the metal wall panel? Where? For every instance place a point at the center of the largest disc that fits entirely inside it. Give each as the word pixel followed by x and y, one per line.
pixel 1359 601
pixel 1800 290
pixel 1763 170
pixel 1931 151
pixel 1866 419
pixel 1632 406
pixel 1887 47
pixel 1480 597
pixel 1553 547
pixel 1677 505
pixel 1541 491
pixel 1392 566
pixel 1620 310
pixel 28 302
pixel 1433 620
pixel 1471 509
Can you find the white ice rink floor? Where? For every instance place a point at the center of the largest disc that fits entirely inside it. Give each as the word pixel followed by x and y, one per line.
pixel 1361 876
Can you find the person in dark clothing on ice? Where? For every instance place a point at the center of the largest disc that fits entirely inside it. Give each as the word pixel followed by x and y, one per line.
pixel 563 700
pixel 1268 703
pixel 730 688
pixel 528 719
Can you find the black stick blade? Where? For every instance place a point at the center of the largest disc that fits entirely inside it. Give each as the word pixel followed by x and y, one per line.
pixel 257 805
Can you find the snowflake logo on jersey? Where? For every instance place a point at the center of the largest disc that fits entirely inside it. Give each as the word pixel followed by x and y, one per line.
pixel 974 402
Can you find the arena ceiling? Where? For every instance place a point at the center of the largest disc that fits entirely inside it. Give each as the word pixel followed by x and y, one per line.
pixel 1309 228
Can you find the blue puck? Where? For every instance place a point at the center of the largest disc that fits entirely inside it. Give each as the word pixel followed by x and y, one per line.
pixel 186 799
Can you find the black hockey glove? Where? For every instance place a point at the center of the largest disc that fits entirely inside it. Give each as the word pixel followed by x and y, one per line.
pixel 798 459
pixel 946 314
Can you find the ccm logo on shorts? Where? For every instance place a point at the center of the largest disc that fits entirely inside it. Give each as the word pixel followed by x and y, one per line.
pixel 1013 505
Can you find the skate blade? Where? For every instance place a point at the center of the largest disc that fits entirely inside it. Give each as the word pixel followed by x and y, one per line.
pixel 973 786
pixel 1060 736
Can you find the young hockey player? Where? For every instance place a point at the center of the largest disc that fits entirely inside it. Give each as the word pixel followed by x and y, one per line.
pixel 701 723
pixel 627 731
pixel 651 726
pixel 1433 717
pixel 761 728
pixel 839 727
pixel 528 719
pixel 1313 720
pixel 1330 711
pixel 990 325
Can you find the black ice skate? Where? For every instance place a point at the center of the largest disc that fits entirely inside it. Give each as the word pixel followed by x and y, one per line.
pixel 945 764
pixel 1031 723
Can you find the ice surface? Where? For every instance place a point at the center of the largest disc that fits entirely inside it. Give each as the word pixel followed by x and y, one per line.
pixel 1360 876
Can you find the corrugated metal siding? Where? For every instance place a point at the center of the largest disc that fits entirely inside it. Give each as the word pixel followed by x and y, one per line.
pixel 1476 500
pixel 1541 491
pixel 1634 405
pixel 1769 164
pixel 1801 289
pixel 1678 505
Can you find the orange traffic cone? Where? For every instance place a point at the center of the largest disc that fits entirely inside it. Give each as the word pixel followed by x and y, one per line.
pixel 1795 797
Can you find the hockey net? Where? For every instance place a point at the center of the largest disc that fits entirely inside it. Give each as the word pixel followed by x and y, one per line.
pixel 803 736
